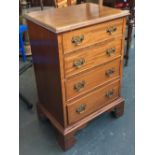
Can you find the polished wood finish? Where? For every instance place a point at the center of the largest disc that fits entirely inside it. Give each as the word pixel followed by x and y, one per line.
pixel 77 17
pixel 44 66
pixel 92 34
pixel 78 125
pixel 92 102
pixel 118 110
pixel 67 141
pixel 92 79
pixel 93 56
pixel 77 84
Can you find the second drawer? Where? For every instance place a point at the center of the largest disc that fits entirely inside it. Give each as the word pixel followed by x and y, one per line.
pixel 83 83
pixel 93 56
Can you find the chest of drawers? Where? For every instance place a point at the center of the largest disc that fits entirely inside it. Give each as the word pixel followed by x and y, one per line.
pixel 78 57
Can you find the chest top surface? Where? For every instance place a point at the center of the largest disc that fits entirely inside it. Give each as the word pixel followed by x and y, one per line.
pixel 73 17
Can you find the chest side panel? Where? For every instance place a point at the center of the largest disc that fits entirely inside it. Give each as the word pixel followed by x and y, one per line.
pixel 44 47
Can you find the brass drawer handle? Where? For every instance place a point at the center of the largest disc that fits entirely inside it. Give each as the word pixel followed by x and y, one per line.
pixel 77 40
pixel 78 63
pixel 81 108
pixel 79 86
pixel 111 29
pixel 110 93
pixel 110 72
pixel 110 51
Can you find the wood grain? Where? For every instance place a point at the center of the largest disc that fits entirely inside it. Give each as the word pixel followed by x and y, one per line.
pixel 92 79
pixel 62 77
pixel 74 127
pixel 73 17
pixel 93 56
pixel 92 35
pixel 92 101
pixel 66 141
pixel 53 34
pixel 44 46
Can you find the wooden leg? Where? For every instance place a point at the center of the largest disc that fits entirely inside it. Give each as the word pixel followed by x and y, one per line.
pixel 40 114
pixel 66 141
pixel 118 110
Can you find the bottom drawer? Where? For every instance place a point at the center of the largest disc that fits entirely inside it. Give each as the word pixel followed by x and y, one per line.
pixel 92 102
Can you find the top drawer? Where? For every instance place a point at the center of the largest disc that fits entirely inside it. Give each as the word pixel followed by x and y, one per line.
pixel 84 37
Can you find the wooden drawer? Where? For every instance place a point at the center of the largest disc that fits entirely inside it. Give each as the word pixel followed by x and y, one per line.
pixel 83 83
pixel 92 102
pixel 92 56
pixel 84 37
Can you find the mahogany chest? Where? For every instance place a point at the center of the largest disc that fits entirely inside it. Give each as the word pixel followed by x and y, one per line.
pixel 78 56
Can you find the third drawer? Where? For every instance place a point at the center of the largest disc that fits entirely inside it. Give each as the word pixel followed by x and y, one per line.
pixel 87 81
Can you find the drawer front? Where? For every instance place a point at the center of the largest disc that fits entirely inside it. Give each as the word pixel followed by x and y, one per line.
pixel 83 83
pixel 84 37
pixel 92 102
pixel 92 56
